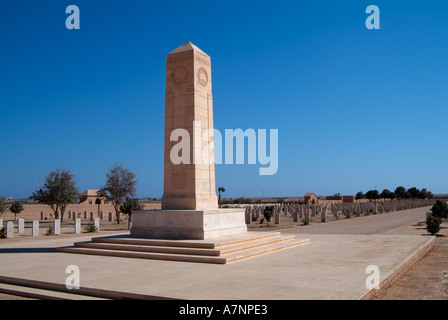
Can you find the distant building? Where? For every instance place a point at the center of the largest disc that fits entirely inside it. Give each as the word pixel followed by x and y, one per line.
pixel 333 198
pixel 90 197
pixel 310 198
pixel 348 199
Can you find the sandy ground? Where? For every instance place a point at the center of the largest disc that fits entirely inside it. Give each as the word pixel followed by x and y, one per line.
pixel 426 280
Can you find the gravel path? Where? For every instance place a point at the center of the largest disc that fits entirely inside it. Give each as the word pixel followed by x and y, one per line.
pixel 398 222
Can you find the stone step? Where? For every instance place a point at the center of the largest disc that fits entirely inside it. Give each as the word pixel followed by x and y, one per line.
pixel 43 294
pixel 56 291
pixel 185 250
pixel 144 255
pixel 258 243
pixel 147 248
pixel 244 238
pixel 205 244
pixel 253 252
pixel 231 254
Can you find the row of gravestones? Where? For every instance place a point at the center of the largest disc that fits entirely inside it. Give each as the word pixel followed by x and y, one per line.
pixel 35 227
pixel 74 215
pixel 296 211
pixel 299 211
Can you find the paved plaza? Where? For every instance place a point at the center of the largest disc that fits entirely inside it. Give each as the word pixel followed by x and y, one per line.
pixel 332 266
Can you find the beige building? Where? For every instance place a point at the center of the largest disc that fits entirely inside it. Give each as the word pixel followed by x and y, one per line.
pixel 90 197
pixel 348 199
pixel 310 198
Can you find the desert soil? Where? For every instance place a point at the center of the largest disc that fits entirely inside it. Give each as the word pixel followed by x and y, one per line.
pixel 426 280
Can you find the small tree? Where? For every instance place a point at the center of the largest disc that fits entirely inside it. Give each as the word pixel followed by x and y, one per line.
pixel 372 195
pixel 433 224
pixel 424 194
pixel 385 194
pixel 3 207
pixel 220 189
pixel 400 192
pixel 413 192
pixel 128 206
pixel 58 191
pixel 16 207
pixel 440 209
pixel 120 184
pixel 267 213
pixel 392 196
pixel 360 195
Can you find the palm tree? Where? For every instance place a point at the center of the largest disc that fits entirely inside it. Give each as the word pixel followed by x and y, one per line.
pixel 220 189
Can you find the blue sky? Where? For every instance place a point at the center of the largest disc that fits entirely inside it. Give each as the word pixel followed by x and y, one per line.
pixel 355 108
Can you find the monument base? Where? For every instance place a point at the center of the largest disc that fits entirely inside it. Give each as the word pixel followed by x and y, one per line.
pixel 189 203
pixel 188 224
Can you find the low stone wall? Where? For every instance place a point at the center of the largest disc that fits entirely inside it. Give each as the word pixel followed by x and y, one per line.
pixel 34 211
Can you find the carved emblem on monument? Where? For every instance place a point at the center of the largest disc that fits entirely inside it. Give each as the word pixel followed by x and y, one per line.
pixel 202 77
pixel 179 75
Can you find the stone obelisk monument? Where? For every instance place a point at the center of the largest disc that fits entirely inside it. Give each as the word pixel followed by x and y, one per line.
pixel 189 203
pixel 189 185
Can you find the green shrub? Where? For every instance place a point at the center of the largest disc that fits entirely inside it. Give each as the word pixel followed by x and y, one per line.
pixel 50 231
pixel 440 209
pixel 433 224
pixel 306 221
pixel 91 227
pixel 267 213
pixel 3 232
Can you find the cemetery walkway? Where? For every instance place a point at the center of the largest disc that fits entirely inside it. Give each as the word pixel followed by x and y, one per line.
pixel 397 222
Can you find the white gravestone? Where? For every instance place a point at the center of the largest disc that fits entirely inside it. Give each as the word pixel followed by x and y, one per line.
pixel 21 226
pixel 57 226
pixel 96 221
pixel 277 217
pixel 9 229
pixel 35 231
pixel 77 225
pixel 248 216
pixel 323 214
